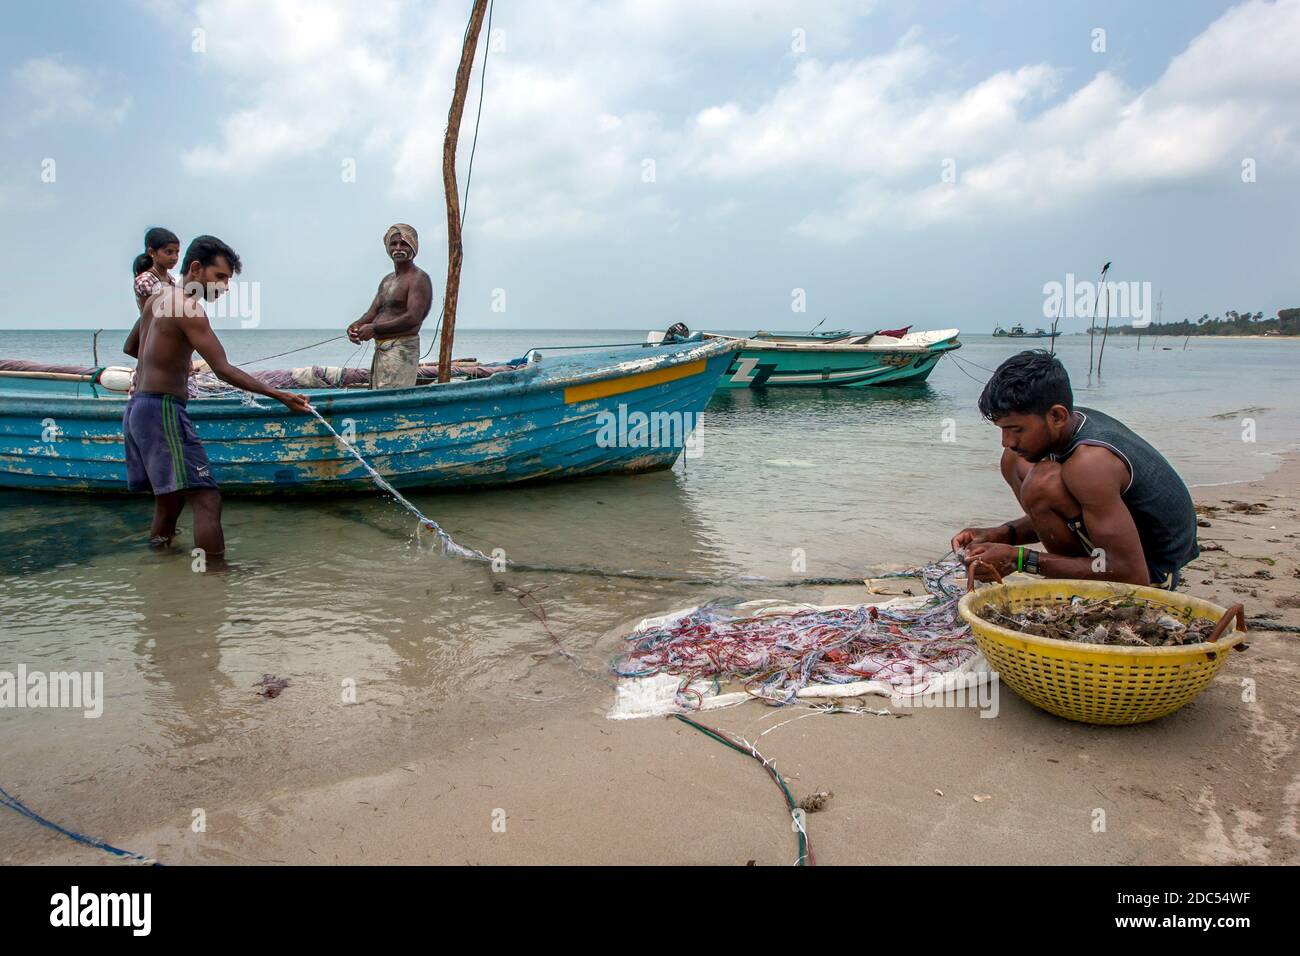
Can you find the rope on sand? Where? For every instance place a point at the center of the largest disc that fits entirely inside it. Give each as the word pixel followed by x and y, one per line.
pixel 1264 624
pixel 749 750
pixel 7 799
pixel 937 578
pixel 450 546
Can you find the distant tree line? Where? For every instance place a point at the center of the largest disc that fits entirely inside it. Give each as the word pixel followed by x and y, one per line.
pixel 1286 322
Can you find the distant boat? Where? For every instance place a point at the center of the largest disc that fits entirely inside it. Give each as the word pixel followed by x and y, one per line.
pixel 544 420
pixel 840 359
pixel 1018 332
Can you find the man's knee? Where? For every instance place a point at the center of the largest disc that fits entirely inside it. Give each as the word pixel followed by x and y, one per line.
pixel 1043 489
pixel 207 501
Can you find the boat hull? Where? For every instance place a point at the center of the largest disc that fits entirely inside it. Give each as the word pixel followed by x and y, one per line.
pixel 759 365
pixel 556 419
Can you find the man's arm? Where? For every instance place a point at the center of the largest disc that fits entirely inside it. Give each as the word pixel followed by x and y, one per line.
pixel 136 338
pixel 148 285
pixel 132 344
pixel 1097 479
pixel 197 329
pixel 419 299
pixel 368 319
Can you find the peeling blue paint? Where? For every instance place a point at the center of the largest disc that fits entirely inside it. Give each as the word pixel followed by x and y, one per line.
pixel 512 427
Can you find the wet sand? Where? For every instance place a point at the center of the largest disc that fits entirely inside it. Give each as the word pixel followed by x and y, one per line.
pixel 553 781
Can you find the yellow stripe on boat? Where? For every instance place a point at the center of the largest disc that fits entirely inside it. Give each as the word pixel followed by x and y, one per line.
pixel 630 383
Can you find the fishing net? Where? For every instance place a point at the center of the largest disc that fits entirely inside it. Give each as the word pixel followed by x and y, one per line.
pixel 776 654
pixel 204 384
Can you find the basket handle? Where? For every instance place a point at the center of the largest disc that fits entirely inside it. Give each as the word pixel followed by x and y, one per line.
pixel 970 574
pixel 1236 611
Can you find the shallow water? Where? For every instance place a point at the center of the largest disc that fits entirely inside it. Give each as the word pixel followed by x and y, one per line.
pixel 343 594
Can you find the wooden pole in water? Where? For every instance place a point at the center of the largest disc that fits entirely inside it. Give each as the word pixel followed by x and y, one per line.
pixel 1106 331
pixel 1092 324
pixel 455 252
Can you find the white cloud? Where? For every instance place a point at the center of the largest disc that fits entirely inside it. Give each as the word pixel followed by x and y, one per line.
pixel 1230 95
pixel 861 116
pixel 55 91
pixel 314 72
pixel 582 96
pixel 564 132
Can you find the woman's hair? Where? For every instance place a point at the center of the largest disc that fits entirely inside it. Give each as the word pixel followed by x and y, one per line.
pixel 154 238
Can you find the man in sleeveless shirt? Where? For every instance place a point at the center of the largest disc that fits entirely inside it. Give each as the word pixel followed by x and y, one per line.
pixel 1102 502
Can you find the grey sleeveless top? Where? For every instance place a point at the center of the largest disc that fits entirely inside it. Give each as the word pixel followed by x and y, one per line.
pixel 1157 498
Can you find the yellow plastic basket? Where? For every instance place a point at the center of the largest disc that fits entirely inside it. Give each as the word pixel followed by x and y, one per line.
pixel 1097 684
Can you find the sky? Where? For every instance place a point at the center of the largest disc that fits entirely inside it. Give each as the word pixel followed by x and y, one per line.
pixel 764 164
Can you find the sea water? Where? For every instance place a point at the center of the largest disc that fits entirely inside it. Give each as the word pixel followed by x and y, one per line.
pixel 385 643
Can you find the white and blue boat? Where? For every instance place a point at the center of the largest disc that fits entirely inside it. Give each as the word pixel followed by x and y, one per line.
pixel 838 359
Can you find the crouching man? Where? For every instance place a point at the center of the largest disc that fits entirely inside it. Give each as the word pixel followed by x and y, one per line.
pixel 1101 501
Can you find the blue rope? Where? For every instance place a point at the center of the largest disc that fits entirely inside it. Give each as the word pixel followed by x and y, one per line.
pixel 13 803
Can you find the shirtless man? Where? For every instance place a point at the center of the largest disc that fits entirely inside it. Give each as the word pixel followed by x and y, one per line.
pixel 1103 502
pixel 393 320
pixel 163 452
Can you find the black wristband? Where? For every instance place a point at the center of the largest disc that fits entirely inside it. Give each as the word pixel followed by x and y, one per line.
pixel 1011 527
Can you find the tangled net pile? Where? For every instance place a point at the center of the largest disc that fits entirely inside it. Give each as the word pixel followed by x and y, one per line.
pixel 777 655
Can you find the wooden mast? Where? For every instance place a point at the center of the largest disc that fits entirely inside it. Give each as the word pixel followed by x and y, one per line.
pixel 455 251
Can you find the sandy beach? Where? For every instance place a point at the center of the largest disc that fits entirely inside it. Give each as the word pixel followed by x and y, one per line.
pixel 554 781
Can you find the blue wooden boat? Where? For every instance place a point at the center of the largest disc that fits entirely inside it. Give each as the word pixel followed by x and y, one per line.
pixel 551 418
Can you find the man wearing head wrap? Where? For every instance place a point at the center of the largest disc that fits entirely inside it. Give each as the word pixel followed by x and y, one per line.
pixel 394 318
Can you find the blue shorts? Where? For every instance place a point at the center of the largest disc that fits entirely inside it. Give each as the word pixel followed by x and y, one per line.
pixel 163 452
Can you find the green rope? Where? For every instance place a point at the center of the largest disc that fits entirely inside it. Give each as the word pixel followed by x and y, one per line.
pixel 805 853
